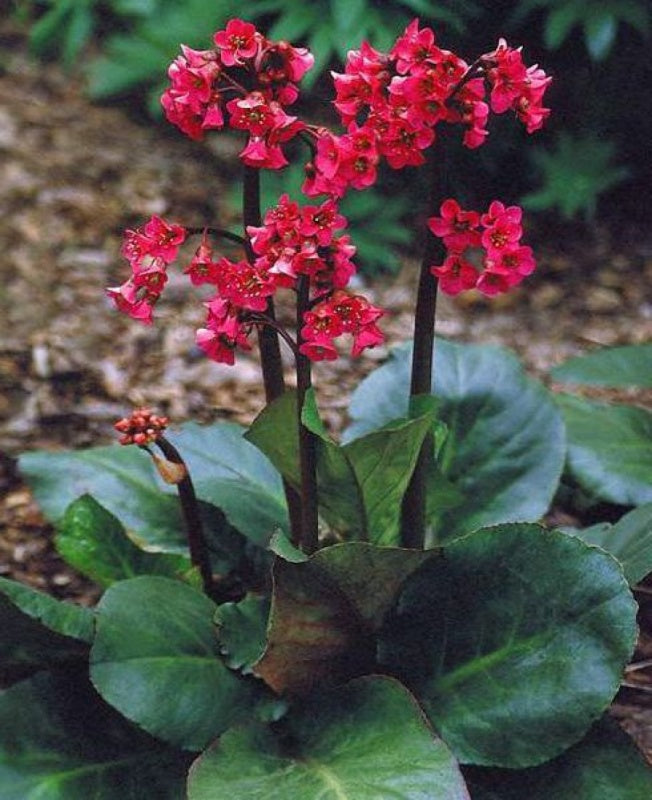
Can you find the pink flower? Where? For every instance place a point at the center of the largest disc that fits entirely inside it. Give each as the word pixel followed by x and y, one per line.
pixel 130 301
pixel 202 269
pixel 492 283
pixel 279 66
pixel 321 348
pixel 517 87
pixel 455 226
pixel 190 102
pixel 369 336
pixel 514 261
pixel 243 285
pixel 224 332
pixel 504 231
pixel 165 238
pixel 455 275
pixel 238 42
pixel 321 222
pixel 338 314
pixel 505 261
pixel 414 47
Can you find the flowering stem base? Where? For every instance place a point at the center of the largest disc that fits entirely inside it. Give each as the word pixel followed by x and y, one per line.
pixel 307 444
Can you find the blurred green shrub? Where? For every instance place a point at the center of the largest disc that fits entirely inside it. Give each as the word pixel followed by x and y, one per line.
pixel 598 19
pixel 575 174
pixel 590 50
pixel 332 27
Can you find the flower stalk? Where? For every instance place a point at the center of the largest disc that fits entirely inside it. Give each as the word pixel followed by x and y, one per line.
pixel 413 511
pixel 268 340
pixel 307 442
pixel 199 555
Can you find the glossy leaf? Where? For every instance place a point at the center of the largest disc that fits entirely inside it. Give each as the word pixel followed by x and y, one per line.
pixel 326 611
pixel 609 449
pixel 629 365
pixel 39 631
pixel 156 659
pixel 361 484
pixel 514 641
pixel 605 765
pixel 59 741
pixel 95 543
pixel 383 463
pixel 226 470
pixel 242 629
pixel 629 540
pixel 505 446
pixel 364 741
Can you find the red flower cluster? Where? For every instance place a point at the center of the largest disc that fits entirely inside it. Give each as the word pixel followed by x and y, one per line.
pixel 391 104
pixel 338 314
pixel 294 241
pixel 149 250
pixel 141 427
pixel 299 241
pixel 494 236
pixel 244 82
pixel 517 87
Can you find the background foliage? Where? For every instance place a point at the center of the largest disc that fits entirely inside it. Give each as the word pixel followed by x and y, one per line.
pixel 590 158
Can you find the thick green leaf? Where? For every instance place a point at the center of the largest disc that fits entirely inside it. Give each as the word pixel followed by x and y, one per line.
pixel 629 365
pixel 339 495
pixel 505 446
pixel 326 611
pixel 365 741
pixel 609 449
pixel 360 484
pixel 339 491
pixel 605 765
pixel 226 470
pixel 383 463
pixel 95 543
pixel 629 540
pixel 39 631
pixel 58 741
pixel 156 659
pixel 514 641
pixel 242 629
pixel 282 546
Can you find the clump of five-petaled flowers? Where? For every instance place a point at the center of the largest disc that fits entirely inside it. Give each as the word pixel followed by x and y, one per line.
pixel 390 105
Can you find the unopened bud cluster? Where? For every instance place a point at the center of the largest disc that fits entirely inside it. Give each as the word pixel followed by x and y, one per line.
pixel 141 427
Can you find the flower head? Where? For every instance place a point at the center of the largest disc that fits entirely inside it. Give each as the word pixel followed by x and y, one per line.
pixel 141 427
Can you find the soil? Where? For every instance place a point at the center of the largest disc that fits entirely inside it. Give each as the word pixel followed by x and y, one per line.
pixel 74 175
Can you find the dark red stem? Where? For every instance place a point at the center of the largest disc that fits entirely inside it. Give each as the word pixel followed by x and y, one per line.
pixel 220 232
pixel 307 440
pixel 270 351
pixel 190 510
pixel 413 514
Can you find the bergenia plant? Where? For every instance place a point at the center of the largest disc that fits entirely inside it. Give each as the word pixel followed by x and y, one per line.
pixel 290 617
